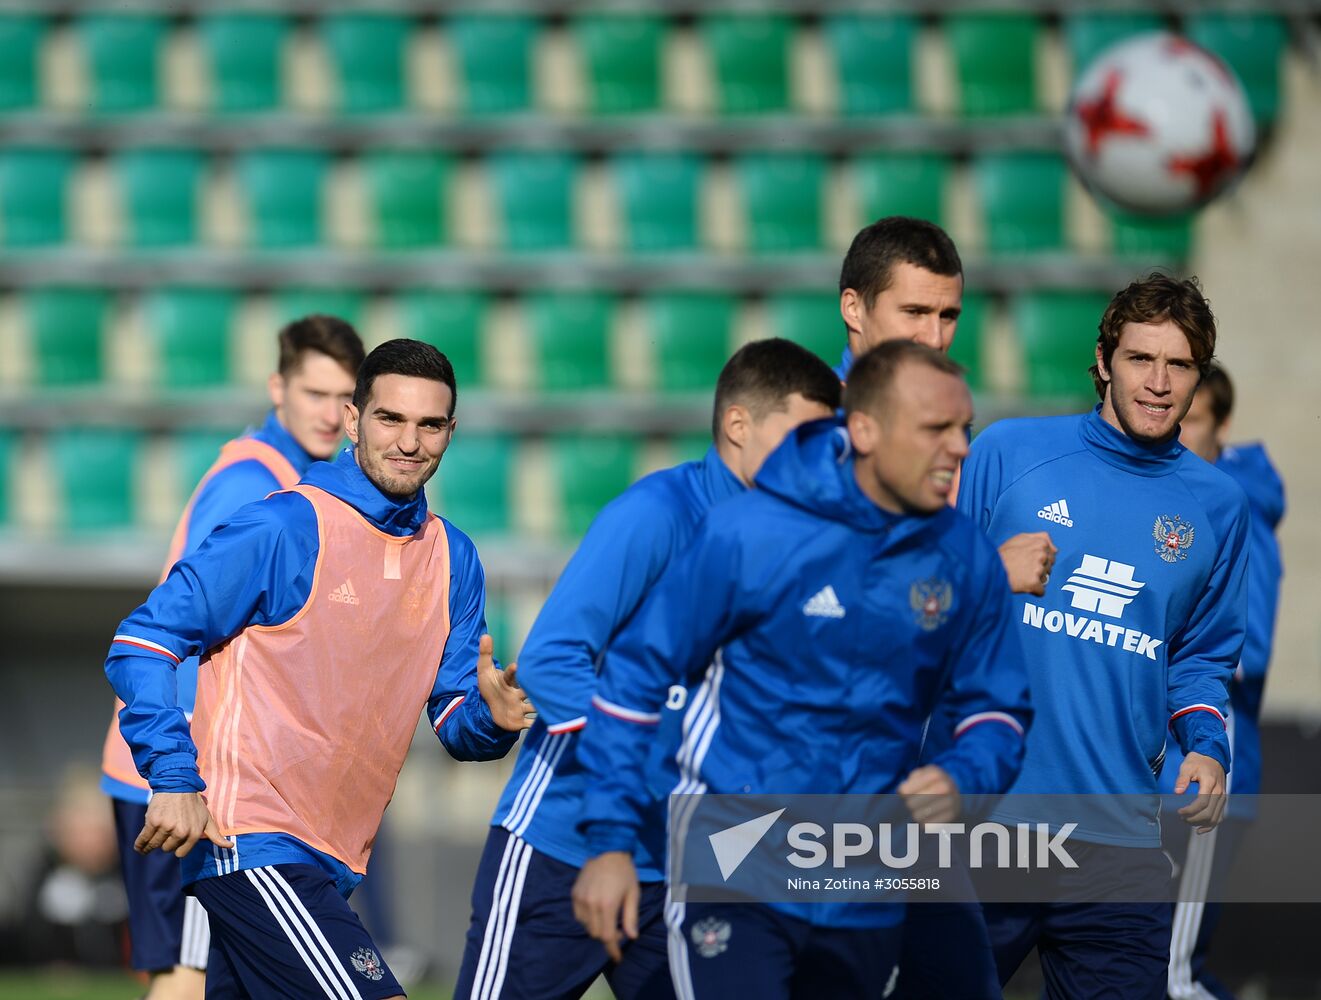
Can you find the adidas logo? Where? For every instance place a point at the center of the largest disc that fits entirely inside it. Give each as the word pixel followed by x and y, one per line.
pixel 1057 512
pixel 824 604
pixel 343 594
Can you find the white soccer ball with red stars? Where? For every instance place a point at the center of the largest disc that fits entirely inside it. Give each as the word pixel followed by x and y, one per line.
pixel 1159 125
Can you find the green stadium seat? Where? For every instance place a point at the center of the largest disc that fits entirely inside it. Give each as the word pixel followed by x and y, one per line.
pixel 453 322
pixel 781 200
pixel 244 50
pixel 691 333
pixel 1143 236
pixel 158 189
pixel 995 60
pixel 500 627
pixel 690 447
pixel 592 470
pixel 32 196
pixel 195 451
pixel 472 487
pixel 495 60
pixel 283 192
pixel 295 303
pixel 8 449
pixel 810 318
pixel 1022 196
pixel 873 59
pixel 367 51
pixel 191 330
pixel 406 191
pixel 901 184
pixel 658 195
pixel 750 57
pixel 534 192
pixel 1057 331
pixel 21 38
pixel 569 334
pixel 1088 33
pixel 121 53
pixel 65 327
pixel 94 471
pixel 967 346
pixel 621 57
pixel 1253 45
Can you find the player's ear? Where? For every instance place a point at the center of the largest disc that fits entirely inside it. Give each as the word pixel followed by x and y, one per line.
pixel 351 422
pixel 863 431
pixel 1222 433
pixel 1101 365
pixel 850 309
pixel 736 424
pixel 275 389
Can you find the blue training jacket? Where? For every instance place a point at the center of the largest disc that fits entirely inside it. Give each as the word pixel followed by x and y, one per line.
pixel 1143 619
pixel 221 495
pixel 622 555
pixel 1250 467
pixel 257 569
pixel 838 626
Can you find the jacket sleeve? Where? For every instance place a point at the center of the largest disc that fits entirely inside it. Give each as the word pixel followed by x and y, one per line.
pixel 1204 653
pixel 695 607
pixel 256 570
pixel 985 703
pixel 458 712
pixel 622 555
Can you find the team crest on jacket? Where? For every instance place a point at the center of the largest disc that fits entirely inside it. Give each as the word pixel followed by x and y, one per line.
pixel 931 600
pixel 711 936
pixel 1174 537
pixel 368 964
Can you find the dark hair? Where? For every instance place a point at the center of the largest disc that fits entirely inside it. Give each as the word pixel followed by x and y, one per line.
pixel 404 357
pixel 1217 385
pixel 762 375
pixel 1155 299
pixel 897 239
pixel 872 374
pixel 328 335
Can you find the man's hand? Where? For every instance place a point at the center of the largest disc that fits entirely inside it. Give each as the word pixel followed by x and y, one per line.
pixel 1208 809
pixel 175 822
pixel 1028 559
pixel 605 900
pixel 509 708
pixel 931 795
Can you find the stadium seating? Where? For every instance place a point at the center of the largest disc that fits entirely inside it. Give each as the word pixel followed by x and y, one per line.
pixel 94 473
pixel 592 469
pixel 781 200
pixel 283 192
pixel 995 59
pixel 900 184
pixel 1088 33
pixel 534 195
pixel 8 446
pixel 472 486
pixel 967 346
pixel 195 451
pixel 658 197
pixel 244 50
pixel 621 57
pixel 569 333
pixel 1253 45
pixel 1143 236
pixel 158 192
pixel 749 56
pixel 1022 195
pixel 495 54
pixel 873 61
pixel 21 37
pixel 1057 332
pixel 65 327
pixel 121 53
pixel 690 447
pixel 295 303
pixel 33 191
pixel 691 332
pixel 451 321
pixel 367 52
pixel 810 318
pixel 405 189
pixel 191 331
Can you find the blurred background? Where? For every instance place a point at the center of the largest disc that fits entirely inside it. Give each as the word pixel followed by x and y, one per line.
pixel 587 206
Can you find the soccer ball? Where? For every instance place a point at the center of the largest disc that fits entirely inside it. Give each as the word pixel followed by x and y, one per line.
pixel 1158 125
